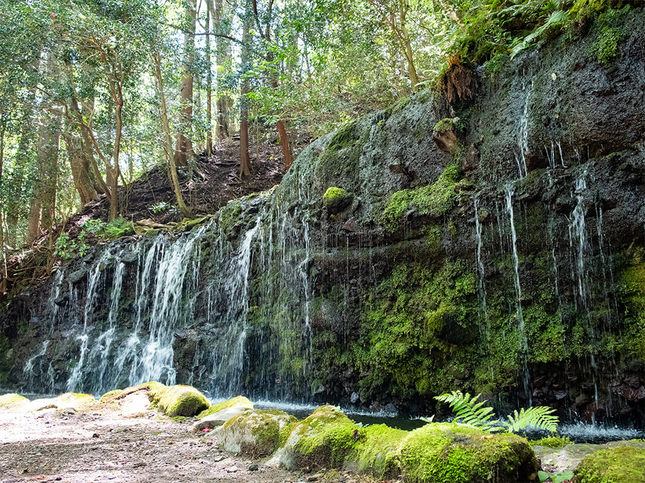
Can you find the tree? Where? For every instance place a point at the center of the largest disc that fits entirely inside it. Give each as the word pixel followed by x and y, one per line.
pixel 184 149
pixel 245 68
pixel 165 128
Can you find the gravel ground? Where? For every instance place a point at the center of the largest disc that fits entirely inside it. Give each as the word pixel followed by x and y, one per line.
pixel 126 445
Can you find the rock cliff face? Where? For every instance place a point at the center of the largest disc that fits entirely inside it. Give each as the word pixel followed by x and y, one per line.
pixel 513 266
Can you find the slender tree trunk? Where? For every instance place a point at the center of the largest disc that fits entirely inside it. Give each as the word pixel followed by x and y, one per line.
pixel 115 168
pixel 245 159
pixel 43 203
pixel 184 149
pixel 209 82
pixel 222 60
pixel 3 252
pixel 284 142
pixel 165 127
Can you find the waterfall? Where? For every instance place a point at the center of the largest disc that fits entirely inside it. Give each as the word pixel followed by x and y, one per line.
pixel 523 132
pixel 480 262
pixel 578 239
pixel 518 291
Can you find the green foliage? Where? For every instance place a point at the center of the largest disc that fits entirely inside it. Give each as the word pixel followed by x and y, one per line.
pixel 161 207
pixel 555 477
pixel 610 35
pixel 67 247
pixel 433 200
pixel 539 416
pixel 108 231
pixel 469 411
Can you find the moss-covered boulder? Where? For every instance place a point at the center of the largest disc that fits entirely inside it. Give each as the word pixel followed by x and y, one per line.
pixel 322 440
pixel 336 200
pixel 377 452
pixel 238 401
pixel 254 433
pixel 182 401
pixel 13 402
pixel 447 452
pixel 626 463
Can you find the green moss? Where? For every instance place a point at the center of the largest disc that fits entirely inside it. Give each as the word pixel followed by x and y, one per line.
pixel 336 199
pixel 377 451
pixel 238 401
pixel 552 442
pixel 433 200
pixel 443 452
pixel 416 331
pixel 625 463
pixel 12 402
pixel 155 390
pixel 187 225
pixel 229 215
pixel 633 293
pixel 322 440
pixel 182 401
pixel 255 433
pixel 446 124
pixel 610 35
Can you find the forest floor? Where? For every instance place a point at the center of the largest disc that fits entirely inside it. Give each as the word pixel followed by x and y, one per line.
pixel 116 446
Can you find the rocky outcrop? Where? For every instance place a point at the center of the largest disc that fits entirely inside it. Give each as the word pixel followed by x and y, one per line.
pixel 512 264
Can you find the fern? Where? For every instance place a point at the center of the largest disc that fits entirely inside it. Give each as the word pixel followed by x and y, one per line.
pixel 539 416
pixel 468 411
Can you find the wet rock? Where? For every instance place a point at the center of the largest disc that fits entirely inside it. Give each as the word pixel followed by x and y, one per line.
pixel 217 419
pixel 182 401
pixel 254 433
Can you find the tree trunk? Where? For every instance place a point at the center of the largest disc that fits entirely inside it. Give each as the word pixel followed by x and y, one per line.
pixel 209 82
pixel 284 142
pixel 184 149
pixel 115 168
pixel 3 253
pixel 43 203
pixel 245 159
pixel 82 175
pixel 222 60
pixel 165 127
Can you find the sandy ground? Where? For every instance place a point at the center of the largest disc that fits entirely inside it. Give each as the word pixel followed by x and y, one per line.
pixel 121 446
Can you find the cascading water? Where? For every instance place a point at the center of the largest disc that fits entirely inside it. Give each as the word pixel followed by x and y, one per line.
pixel 522 132
pixel 518 291
pixel 480 261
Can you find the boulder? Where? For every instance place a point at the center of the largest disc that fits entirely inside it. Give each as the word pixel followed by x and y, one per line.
pixel 254 433
pixel 320 441
pixel 13 402
pixel 625 463
pixel 450 452
pixel 182 401
pixel 217 419
pixel 69 400
pixel 436 452
pixel 238 401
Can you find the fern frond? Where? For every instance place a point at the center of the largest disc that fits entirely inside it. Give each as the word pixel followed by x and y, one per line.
pixel 539 416
pixel 468 411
